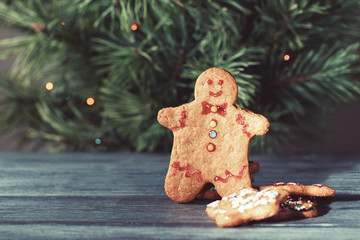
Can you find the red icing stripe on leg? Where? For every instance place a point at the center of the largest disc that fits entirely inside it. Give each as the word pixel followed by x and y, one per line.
pixel 228 175
pixel 186 168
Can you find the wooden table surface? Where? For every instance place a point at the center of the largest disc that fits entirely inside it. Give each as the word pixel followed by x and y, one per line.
pixel 121 196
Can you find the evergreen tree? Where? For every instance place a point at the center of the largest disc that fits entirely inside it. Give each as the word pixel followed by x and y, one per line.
pixel 92 75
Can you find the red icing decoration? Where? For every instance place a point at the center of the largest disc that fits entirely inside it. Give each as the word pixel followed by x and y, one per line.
pixel 221 82
pixel 241 120
pixel 215 94
pixel 207 147
pixel 200 179
pixel 320 185
pixel 292 183
pixel 228 175
pixel 177 166
pixel 206 108
pixel 279 184
pixel 181 120
pixel 186 167
pixel 209 81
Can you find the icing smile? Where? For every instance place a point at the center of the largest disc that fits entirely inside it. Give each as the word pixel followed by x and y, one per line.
pixel 215 94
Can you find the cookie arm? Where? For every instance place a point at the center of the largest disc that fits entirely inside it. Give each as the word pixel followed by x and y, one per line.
pixel 252 123
pixel 260 125
pixel 173 118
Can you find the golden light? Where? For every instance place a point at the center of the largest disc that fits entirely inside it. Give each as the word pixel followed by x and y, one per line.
pixel 134 26
pixel 90 101
pixel 286 57
pixel 49 86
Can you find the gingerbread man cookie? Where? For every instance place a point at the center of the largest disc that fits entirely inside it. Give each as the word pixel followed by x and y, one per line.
pixel 211 139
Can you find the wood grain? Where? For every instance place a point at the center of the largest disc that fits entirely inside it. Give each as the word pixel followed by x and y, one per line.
pixel 121 196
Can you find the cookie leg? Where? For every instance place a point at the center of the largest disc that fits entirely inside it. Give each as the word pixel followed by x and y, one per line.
pixel 182 189
pixel 182 183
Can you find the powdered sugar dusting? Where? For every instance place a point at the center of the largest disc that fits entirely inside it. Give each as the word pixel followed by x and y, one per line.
pixel 214 204
pixel 221 211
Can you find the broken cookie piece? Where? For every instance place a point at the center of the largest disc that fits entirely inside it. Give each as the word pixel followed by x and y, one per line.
pixel 246 205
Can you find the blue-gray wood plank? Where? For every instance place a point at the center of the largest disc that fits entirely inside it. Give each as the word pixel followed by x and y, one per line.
pixel 121 196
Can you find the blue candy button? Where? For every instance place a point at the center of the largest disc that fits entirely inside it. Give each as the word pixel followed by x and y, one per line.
pixel 213 134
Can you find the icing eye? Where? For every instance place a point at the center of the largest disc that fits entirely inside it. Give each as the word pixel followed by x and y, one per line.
pixel 209 81
pixel 220 82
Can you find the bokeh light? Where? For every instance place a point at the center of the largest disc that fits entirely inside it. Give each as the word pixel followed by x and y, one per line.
pixel 134 26
pixel 90 101
pixel 49 86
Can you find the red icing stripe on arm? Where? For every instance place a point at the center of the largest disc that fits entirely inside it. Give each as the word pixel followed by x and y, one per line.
pixel 241 120
pixel 181 120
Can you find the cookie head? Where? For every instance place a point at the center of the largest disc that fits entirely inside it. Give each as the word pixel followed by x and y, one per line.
pixel 216 86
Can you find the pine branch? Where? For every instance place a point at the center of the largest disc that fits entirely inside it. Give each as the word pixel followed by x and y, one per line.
pixel 329 74
pixel 284 26
pixel 297 79
pixel 88 48
pixel 179 62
